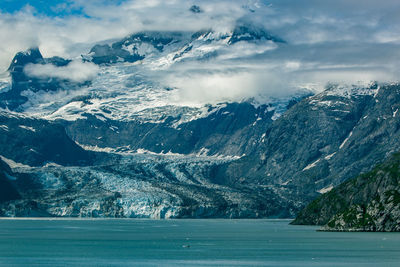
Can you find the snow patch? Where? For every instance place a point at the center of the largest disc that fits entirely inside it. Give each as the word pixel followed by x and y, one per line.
pixel 347 91
pixel 345 140
pixel 328 157
pixel 28 128
pixel 377 92
pixel 97 148
pixel 114 129
pixel 169 153
pixel 101 118
pixel 262 139
pixel 312 165
pixel 12 164
pixel 4 128
pixel 51 164
pixel 325 189
pixel 203 152
pixel 276 116
pixel 395 113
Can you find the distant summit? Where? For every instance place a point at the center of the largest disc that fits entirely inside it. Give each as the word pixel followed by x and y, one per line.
pixel 170 47
pixel 249 32
pixel 195 9
pixel 23 82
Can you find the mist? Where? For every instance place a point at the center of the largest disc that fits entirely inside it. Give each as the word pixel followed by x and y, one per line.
pixel 76 71
pixel 333 41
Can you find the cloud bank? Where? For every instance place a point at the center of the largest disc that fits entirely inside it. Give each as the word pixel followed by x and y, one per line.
pixel 76 71
pixel 327 41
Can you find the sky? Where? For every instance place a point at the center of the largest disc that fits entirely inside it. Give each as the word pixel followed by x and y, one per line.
pixel 51 8
pixel 326 41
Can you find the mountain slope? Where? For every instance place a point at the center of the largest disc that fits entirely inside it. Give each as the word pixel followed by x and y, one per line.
pixel 7 189
pixel 322 141
pixel 369 202
pixel 318 143
pixel 35 142
pixel 281 153
pixel 231 129
pixel 167 48
pixel 23 83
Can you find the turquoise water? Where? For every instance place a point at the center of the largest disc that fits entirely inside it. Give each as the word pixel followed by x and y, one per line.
pixel 127 242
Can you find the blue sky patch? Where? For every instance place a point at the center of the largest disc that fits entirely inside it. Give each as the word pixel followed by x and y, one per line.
pixel 52 8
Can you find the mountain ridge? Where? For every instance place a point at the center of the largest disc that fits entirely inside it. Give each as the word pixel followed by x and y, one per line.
pixel 232 160
pixel 368 202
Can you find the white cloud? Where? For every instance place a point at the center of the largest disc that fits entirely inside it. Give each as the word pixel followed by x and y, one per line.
pixel 327 41
pixel 72 35
pixel 244 49
pixel 218 82
pixel 215 87
pixel 76 71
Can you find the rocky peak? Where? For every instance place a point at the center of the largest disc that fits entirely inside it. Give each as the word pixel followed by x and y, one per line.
pixel 251 32
pixel 22 81
pixel 195 9
pixel 32 55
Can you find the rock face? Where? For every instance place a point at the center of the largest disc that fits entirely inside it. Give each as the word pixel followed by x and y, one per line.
pixel 22 82
pixel 132 48
pixel 247 32
pixel 322 141
pixel 369 202
pixel 317 144
pixel 7 189
pixel 232 129
pixel 35 142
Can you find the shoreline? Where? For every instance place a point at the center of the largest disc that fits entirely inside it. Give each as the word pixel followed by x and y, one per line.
pixel 144 219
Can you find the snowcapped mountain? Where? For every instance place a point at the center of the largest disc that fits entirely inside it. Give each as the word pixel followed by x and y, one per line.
pixel 136 149
pixel 107 135
pixel 161 49
pixel 324 140
pixel 130 82
pixel 129 103
pixel 23 84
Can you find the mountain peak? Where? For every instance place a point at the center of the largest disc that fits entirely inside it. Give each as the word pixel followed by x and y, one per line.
pixel 246 31
pixel 32 55
pixel 195 9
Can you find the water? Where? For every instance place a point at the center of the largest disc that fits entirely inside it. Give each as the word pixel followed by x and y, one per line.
pixel 189 243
